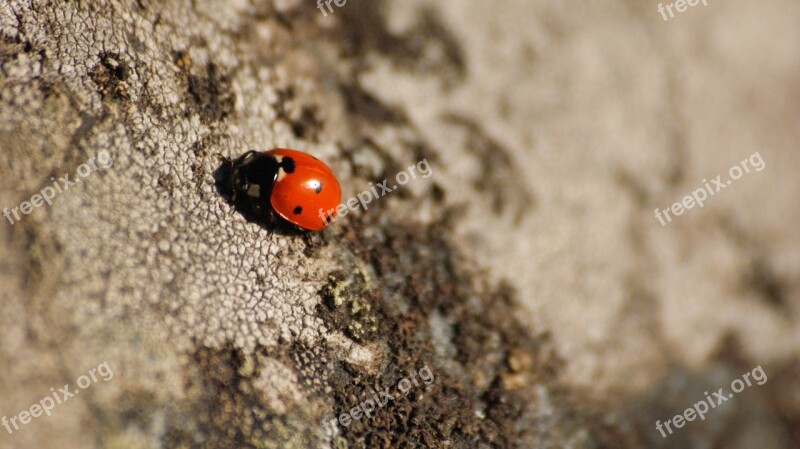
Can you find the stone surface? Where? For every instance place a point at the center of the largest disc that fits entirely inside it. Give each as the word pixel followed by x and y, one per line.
pixel 528 271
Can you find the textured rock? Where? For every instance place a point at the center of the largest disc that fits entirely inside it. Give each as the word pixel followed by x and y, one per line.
pixel 527 272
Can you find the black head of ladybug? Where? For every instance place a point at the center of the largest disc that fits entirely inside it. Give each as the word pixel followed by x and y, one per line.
pixel 252 177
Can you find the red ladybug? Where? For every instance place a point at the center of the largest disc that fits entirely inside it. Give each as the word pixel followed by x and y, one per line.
pixel 296 185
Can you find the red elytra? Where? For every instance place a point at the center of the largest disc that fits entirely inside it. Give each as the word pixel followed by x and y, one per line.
pixel 300 188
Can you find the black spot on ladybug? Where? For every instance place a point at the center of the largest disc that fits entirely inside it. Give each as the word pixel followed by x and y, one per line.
pixel 319 188
pixel 297 210
pixel 288 164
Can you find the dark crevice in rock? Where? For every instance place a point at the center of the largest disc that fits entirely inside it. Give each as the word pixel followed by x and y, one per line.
pixel 363 29
pixel 110 76
pixel 210 94
pixel 499 176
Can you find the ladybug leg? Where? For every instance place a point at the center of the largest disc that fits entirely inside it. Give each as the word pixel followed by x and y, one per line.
pixel 247 157
pixel 224 159
pixel 272 220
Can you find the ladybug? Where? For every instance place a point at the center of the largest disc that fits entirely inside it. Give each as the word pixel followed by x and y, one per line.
pixel 300 188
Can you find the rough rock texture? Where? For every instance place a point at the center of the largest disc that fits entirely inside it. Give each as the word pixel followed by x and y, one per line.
pixel 527 272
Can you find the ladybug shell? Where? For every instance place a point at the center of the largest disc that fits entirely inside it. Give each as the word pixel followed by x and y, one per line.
pixel 305 190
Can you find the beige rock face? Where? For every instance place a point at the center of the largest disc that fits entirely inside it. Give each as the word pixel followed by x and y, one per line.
pixel 527 270
pixel 606 112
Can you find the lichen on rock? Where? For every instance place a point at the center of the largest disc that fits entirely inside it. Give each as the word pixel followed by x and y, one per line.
pixel 226 332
